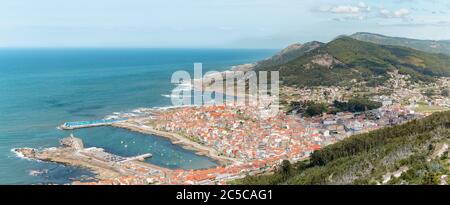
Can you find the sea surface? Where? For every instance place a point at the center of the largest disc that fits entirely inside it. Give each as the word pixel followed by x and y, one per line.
pixel 42 88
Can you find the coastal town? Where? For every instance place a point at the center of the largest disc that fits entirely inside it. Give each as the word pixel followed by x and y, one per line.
pixel 243 142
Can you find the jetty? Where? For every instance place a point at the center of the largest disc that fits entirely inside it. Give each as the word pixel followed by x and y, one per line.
pixel 105 165
pixel 91 123
pixel 141 157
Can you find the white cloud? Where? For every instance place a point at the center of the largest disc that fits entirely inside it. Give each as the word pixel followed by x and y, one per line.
pixel 347 12
pixel 364 7
pixel 346 9
pixel 385 12
pixel 363 11
pixel 402 13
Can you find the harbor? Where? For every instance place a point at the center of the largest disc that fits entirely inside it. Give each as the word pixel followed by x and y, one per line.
pixel 106 166
pixel 79 95
pixel 92 123
pixel 116 117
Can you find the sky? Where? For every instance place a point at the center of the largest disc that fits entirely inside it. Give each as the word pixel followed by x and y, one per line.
pixel 213 23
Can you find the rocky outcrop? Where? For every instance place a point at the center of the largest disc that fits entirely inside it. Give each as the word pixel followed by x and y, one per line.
pixel 324 60
pixel 26 152
pixel 72 142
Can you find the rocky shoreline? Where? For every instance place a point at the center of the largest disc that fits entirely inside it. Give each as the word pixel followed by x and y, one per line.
pixel 66 157
pixel 104 165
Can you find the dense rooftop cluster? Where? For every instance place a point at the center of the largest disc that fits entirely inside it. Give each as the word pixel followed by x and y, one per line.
pixel 259 144
pixel 238 132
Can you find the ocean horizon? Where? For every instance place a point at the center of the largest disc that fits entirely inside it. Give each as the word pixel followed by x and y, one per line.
pixel 41 88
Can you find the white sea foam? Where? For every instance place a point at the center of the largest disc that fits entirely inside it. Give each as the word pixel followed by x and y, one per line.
pixel 37 172
pixel 183 87
pixel 172 107
pixel 171 96
pixel 20 155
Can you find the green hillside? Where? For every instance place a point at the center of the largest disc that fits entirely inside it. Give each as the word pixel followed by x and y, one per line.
pixel 423 45
pixel 412 153
pixel 288 54
pixel 345 59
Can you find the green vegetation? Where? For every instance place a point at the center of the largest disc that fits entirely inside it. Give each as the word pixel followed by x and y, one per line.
pixel 308 108
pixel 422 45
pixel 445 92
pixel 429 108
pixel 346 60
pixel 316 109
pixel 288 54
pixel 409 149
pixel 429 93
pixel 356 105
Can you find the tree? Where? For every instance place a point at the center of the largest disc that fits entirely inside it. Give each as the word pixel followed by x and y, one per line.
pixel 286 169
pixel 356 105
pixel 361 159
pixel 316 109
pixel 429 93
pixel 431 179
pixel 445 93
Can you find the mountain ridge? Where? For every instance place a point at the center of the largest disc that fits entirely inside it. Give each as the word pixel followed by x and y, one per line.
pixel 432 46
pixel 289 53
pixel 346 59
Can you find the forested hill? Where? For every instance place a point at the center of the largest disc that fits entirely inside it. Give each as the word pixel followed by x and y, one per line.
pixel 431 46
pixel 412 153
pixel 288 54
pixel 346 59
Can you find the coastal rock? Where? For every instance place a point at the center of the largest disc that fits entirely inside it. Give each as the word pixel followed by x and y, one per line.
pixel 26 152
pixel 324 60
pixel 72 142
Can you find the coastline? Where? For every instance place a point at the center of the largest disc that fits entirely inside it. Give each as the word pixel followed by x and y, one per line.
pixel 107 172
pixel 72 108
pixel 178 140
pixel 105 166
pixel 67 157
pixel 201 84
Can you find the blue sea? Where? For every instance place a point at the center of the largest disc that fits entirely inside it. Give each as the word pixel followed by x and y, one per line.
pixel 42 88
